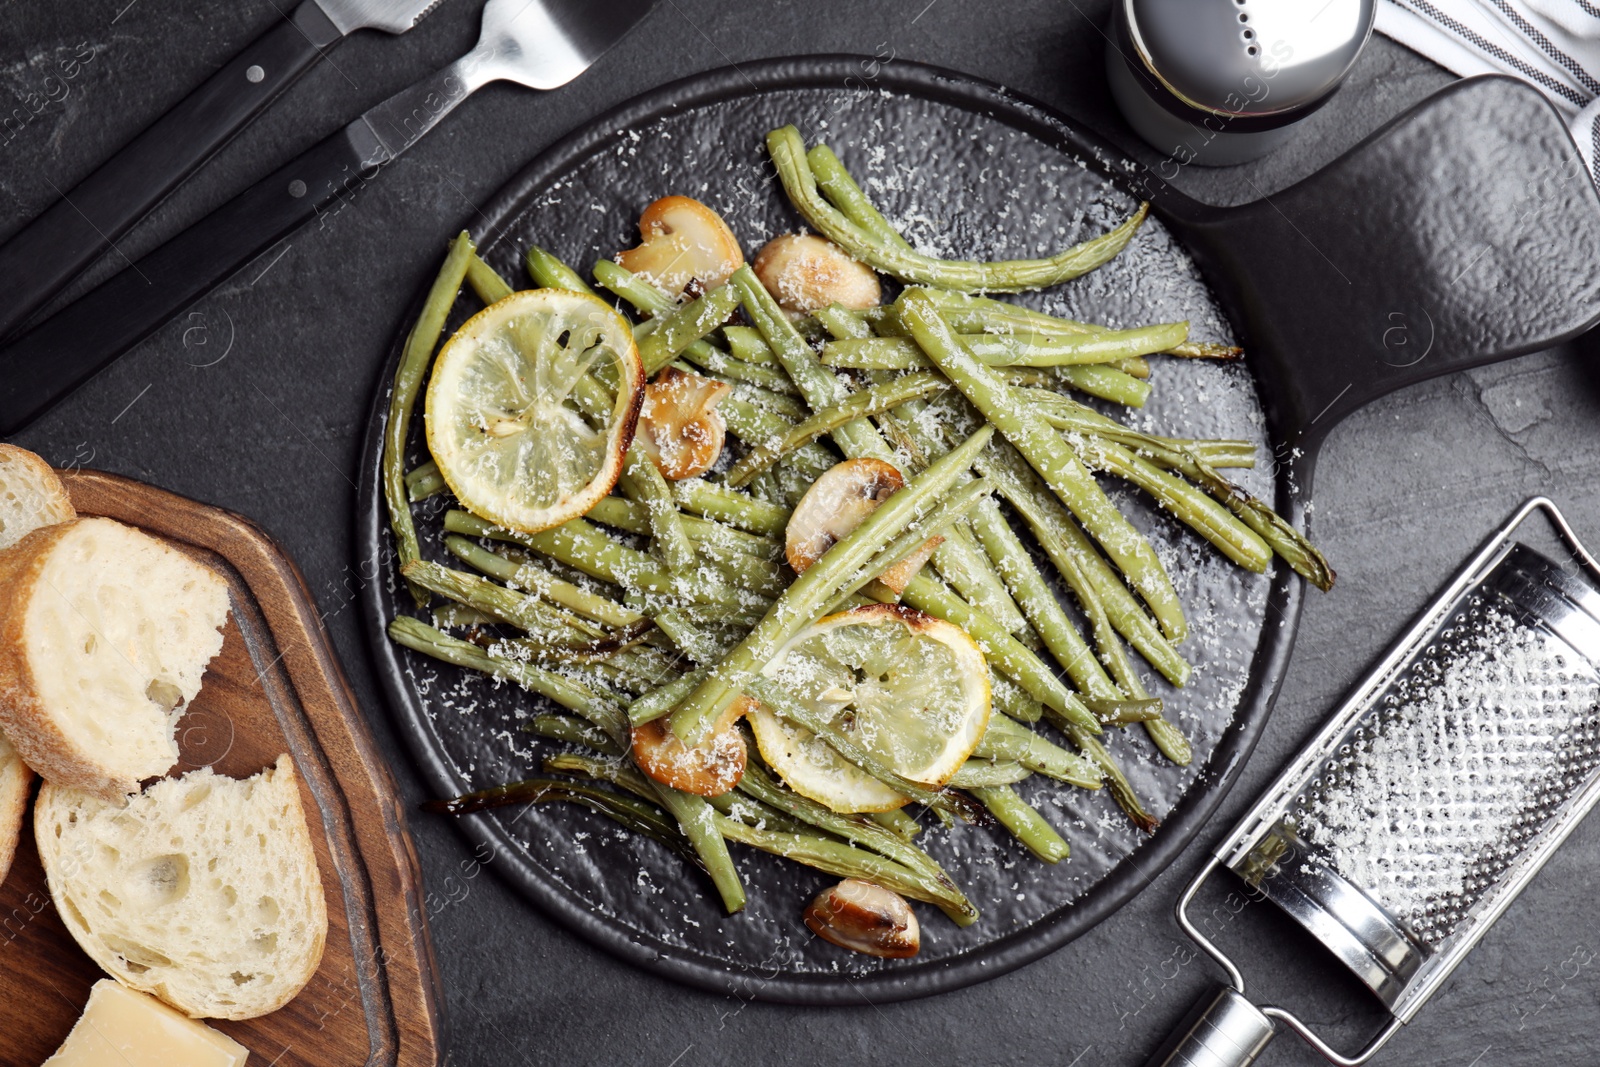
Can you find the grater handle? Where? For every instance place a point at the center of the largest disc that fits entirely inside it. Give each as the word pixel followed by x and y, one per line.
pixel 1222 1030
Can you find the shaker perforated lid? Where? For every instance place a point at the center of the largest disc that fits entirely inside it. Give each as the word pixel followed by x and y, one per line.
pixel 1252 58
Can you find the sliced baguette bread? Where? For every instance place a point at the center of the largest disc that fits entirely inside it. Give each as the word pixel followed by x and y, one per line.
pixel 105 633
pixel 14 780
pixel 202 890
pixel 31 495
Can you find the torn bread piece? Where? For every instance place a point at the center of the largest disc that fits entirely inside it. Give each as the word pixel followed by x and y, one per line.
pixel 202 890
pixel 105 633
pixel 31 495
pixel 14 781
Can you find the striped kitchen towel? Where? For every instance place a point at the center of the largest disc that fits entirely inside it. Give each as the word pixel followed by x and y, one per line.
pixel 1553 45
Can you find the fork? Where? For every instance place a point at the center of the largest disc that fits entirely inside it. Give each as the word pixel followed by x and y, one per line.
pixel 541 44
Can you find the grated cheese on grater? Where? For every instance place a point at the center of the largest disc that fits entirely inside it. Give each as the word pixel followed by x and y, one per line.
pixel 1477 742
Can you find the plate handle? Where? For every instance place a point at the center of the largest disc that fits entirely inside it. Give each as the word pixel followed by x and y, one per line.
pixel 1463 232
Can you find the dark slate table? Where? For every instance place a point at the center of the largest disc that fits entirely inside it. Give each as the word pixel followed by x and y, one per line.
pixel 272 429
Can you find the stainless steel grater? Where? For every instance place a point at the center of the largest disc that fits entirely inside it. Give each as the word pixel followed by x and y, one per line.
pixel 1433 795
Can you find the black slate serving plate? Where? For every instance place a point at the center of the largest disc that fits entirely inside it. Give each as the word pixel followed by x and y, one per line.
pixel 1465 231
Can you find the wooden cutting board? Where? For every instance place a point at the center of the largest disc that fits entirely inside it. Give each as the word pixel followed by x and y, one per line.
pixel 276 687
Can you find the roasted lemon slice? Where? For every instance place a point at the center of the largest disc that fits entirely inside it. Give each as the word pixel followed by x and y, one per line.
pixel 911 689
pixel 523 432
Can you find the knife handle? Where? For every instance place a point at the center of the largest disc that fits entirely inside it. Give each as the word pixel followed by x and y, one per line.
pixel 71 346
pixel 57 245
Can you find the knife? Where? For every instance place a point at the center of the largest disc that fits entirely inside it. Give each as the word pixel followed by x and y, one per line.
pixel 56 246
pixel 541 44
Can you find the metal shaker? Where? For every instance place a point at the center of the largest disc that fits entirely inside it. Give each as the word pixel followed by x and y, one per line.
pixel 1217 82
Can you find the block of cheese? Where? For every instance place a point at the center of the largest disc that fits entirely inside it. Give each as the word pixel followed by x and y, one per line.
pixel 131 1029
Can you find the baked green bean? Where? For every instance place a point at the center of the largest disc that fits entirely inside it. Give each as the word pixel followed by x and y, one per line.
pixel 414 360
pixel 794 171
pixel 1052 458
pixel 1004 652
pixel 799 603
pixel 732 507
pixel 1024 822
pixel 868 402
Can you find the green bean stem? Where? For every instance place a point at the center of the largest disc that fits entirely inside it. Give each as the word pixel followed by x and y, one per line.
pixel 1304 558
pixel 632 518
pixel 820 386
pixel 424 482
pixel 1122 711
pixel 767 383
pixel 525 574
pixel 749 422
pixel 963 564
pixel 704 826
pixel 1197 460
pixel 1191 506
pixel 745 343
pixel 527 613
pixel 1104 346
pixel 642 482
pixel 574 732
pixel 548 272
pixel 898 822
pixel 1088 575
pixel 1107 383
pixel 982 314
pixel 1070 416
pixel 957 559
pixel 732 507
pixel 579 544
pixel 767 387
pixel 632 814
pixel 1116 782
pixel 977 773
pixel 856 829
pixel 1038 602
pixel 839 186
pixel 845 861
pixel 485 282
pixel 1013 701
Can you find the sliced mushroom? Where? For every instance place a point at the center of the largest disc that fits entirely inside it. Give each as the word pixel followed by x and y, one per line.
pixel 899 576
pixel 707 770
pixel 865 917
pixel 804 272
pixel 683 241
pixel 836 504
pixel 680 426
